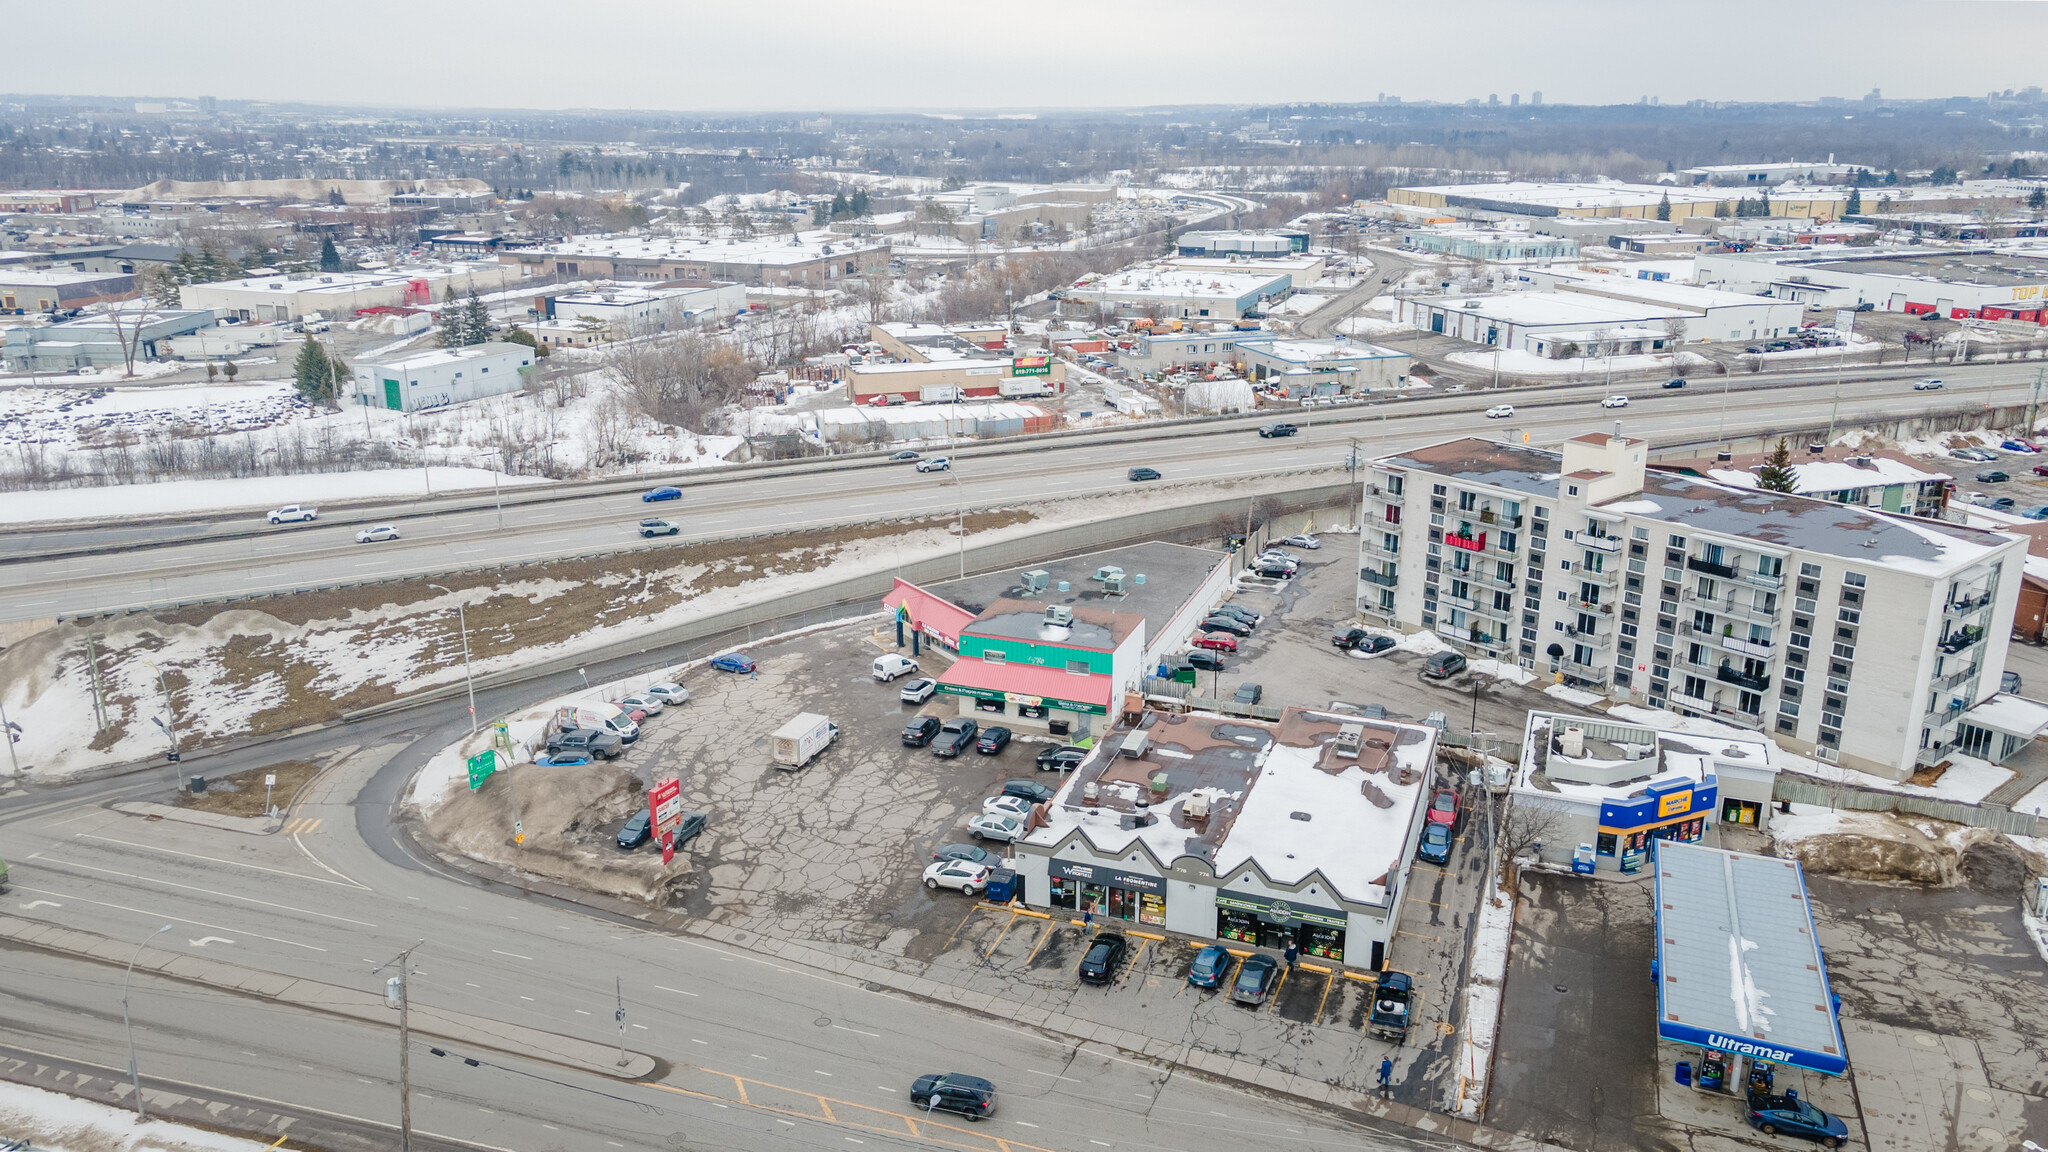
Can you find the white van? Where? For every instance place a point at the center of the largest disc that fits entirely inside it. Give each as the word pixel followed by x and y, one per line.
pixel 889 667
pixel 603 717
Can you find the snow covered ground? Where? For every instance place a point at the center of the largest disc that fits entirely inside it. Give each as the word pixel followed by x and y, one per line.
pixel 52 1122
pixel 2035 801
pixel 1490 942
pixel 1521 362
pixel 251 493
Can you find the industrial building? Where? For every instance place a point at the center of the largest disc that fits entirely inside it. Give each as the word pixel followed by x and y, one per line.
pixel 1304 367
pixel 441 377
pixel 1185 295
pixel 1612 198
pixel 1302 270
pixel 92 342
pixel 1144 353
pixel 339 295
pixel 809 259
pixel 28 290
pixel 622 310
pixel 949 380
pixel 1767 174
pixel 1752 608
pixel 1273 243
pixel 1492 244
pixel 1983 283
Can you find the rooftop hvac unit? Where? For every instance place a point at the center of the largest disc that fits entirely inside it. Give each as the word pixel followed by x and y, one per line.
pixel 1059 616
pixel 1113 584
pixel 1091 792
pixel 1573 742
pixel 1106 571
pixel 1035 581
pixel 1196 806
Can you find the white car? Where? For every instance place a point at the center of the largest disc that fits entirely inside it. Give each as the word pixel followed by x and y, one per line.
pixel 373 535
pixel 1615 402
pixel 935 464
pixel 1500 411
pixel 291 513
pixel 668 692
pixel 1928 385
pixel 919 690
pixel 1303 540
pixel 989 826
pixel 649 704
pixel 1006 805
pixel 965 875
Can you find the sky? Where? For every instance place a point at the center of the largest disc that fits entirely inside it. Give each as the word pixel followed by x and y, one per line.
pixel 691 55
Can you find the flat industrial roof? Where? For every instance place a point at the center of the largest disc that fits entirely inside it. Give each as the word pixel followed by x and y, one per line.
pixel 1172 574
pixel 1739 969
pixel 1560 307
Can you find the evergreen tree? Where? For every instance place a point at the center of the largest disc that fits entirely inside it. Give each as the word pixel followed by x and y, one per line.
pixel 312 374
pixel 330 256
pixel 821 214
pixel 229 370
pixel 453 330
pixel 1855 205
pixel 1664 207
pixel 334 197
pixel 476 320
pixel 1776 475
pixel 1724 208
pixel 2037 199
pixel 1891 177
pixel 519 335
pixel 859 203
pixel 838 205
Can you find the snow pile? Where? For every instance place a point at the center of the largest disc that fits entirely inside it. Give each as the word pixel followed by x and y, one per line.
pixel 1570 695
pixel 1423 643
pixel 1491 940
pixel 254 492
pixel 1884 846
pixel 1522 362
pixel 51 1122
pixel 1501 670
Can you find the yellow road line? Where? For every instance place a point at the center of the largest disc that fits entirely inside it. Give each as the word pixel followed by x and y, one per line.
pixel 1043 935
pixel 1274 1001
pixel 1328 983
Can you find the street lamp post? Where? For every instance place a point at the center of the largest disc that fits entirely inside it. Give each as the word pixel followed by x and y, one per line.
pixel 171 727
pixel 469 680
pixel 496 498
pixel 134 1070
pixel 402 1001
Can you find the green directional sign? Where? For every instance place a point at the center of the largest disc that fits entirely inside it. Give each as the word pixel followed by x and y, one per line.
pixel 481 766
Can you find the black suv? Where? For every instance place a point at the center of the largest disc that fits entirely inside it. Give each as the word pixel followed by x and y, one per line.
pixel 1204 659
pixel 1237 612
pixel 970 1096
pixel 1230 624
pixel 954 737
pixel 919 732
pixel 1269 431
pixel 1061 759
pixel 1443 665
pixel 1025 788
pixel 603 745
pixel 1104 957
pixel 992 740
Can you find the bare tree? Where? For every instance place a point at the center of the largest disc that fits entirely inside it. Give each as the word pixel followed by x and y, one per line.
pixel 1674 338
pixel 681 380
pixel 128 318
pixel 1523 830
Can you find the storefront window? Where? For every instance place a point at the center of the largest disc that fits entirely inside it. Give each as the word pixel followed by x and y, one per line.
pixel 1604 844
pixel 1064 894
pixel 1687 831
pixel 995 706
pixel 1031 711
pixel 1242 927
pixel 1322 940
pixel 1093 898
pixel 1151 908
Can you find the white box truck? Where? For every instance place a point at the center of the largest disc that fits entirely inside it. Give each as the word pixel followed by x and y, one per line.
pixel 802 738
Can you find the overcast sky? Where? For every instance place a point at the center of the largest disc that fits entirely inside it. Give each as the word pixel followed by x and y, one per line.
pixel 860 54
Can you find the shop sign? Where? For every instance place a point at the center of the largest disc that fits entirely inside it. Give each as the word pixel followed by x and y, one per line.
pixel 1020 698
pixel 665 803
pixel 1674 803
pixel 1832 1063
pixel 1031 366
pixel 1282 911
pixel 992 370
pixel 1092 874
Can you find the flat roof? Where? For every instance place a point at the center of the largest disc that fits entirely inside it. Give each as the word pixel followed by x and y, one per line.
pixel 1559 307
pixel 1172 574
pixel 1999 270
pixel 437 356
pixel 1739 969
pixel 1092 627
pixel 775 251
pixel 1171 282
pixel 1839 469
pixel 1307 351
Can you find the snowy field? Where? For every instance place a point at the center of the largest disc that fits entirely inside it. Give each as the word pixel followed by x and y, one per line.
pixel 51 1122
pixel 1521 362
pixel 255 493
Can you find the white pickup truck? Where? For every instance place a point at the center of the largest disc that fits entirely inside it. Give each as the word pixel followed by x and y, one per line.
pixel 293 512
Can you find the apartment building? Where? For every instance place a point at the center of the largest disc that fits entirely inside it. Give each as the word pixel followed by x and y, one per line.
pixel 1712 600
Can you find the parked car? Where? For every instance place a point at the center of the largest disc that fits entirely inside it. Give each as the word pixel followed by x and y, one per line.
pixel 663 493
pixel 2008 681
pixel 993 826
pixel 970 1096
pixel 1103 958
pixel 293 513
pixel 1025 788
pixel 1205 660
pixel 1270 556
pixel 1004 804
pixel 1254 979
pixel 992 740
pixel 1615 402
pixel 1434 844
pixel 2041 469
pixel 563 759
pixel 1144 474
pixel 1217 642
pixel 659 527
pixel 935 464
pixel 1789 1114
pixel 2021 446
pixel 600 744
pixel 1061 759
pixel 1443 807
pixel 1987 500
pixel 2037 512
pixel 1303 540
pixel 1248 693
pixel 641 702
pixel 890 666
pixel 954 737
pixel 967 852
pixel 1500 411
pixel 902 457
pixel 1674 382
pixel 638 830
pixel 1268 431
pixel 919 732
pixel 1211 965
pixel 637 715
pixel 968 878
pixel 1230 624
pixel 1273 569
pixel 1360 640
pixel 1443 665
pixel 1992 477
pixel 668 692
pixel 1928 385
pixel 1237 612
pixel 919 690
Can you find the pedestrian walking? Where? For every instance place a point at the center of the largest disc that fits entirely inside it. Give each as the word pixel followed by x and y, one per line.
pixel 1292 954
pixel 1386 1075
pixel 1088 918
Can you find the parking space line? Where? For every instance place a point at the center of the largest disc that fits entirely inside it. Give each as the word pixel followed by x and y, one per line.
pixel 1139 953
pixel 957 927
pixel 1275 1001
pixel 999 939
pixel 1418 935
pixel 1329 982
pixel 1044 934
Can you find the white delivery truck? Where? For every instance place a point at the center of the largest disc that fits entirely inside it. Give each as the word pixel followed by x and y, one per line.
pixel 802 738
pixel 601 716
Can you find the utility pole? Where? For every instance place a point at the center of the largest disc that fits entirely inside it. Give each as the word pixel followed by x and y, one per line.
pixel 397 995
pixel 171 727
pixel 134 1070
pixel 99 700
pixel 619 991
pixel 462 621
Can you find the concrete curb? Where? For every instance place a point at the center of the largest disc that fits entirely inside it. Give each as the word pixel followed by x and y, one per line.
pixel 367 1007
pixel 254 825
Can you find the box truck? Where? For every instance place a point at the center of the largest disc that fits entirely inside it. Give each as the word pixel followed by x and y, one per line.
pixel 802 738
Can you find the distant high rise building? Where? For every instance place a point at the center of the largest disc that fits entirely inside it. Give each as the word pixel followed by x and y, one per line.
pixel 1493 99
pixel 1514 99
pixel 1536 97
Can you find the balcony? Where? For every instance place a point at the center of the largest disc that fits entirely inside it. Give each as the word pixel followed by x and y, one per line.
pixel 1598 543
pixel 1382 493
pixel 1382 579
pixel 1487 516
pixel 1760 650
pixel 1476 543
pixel 1725 571
pixel 1955 642
pixel 1728 675
pixel 1759 580
pixel 1585 672
pixel 1964 605
pixel 1681 700
pixel 1944 683
pixel 1609 577
pixel 1376 546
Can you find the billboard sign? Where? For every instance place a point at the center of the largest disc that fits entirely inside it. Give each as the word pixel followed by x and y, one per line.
pixel 665 804
pixel 1031 366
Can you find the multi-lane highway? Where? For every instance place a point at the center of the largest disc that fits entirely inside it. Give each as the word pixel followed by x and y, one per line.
pixel 241 555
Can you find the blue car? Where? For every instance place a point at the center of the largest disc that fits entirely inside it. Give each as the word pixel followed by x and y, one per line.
pixel 1795 1117
pixel 661 494
pixel 1211 965
pixel 733 662
pixel 2037 512
pixel 566 758
pixel 1436 844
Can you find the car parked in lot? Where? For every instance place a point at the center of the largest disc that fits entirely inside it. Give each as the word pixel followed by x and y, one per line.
pixel 2041 469
pixel 1254 979
pixel 1216 642
pixel 1500 411
pixel 1928 385
pixel 935 464
pixel 919 690
pixel 380 532
pixel 1230 624
pixel 1443 808
pixel 1104 956
pixel 1249 693
pixel 1027 789
pixel 1434 845
pixel 992 740
pixel 2037 512
pixel 891 665
pixel 1210 967
pixel 1987 500
pixel 1237 612
pixel 1004 804
pixel 954 737
pixel 1789 1114
pixel 958 874
pixel 2008 681
pixel 659 527
pixel 1979 455
pixel 1274 569
pixel 970 1096
pixel 1065 758
pixel 637 715
pixel 1443 665
pixel 690 827
pixel 668 692
pixel 1303 540
pixel 1268 431
pixel 641 702
pixel 967 852
pixel 1615 402
pixel 734 662
pixel 1144 474
pixel 1360 640
pixel 994 826
pixel 639 830
pixel 919 732
pixel 1290 562
pixel 2024 447
pixel 1992 477
pixel 662 493
pixel 563 759
pixel 598 743
pixel 1203 659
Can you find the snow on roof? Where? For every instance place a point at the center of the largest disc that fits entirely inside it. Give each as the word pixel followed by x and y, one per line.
pixel 2008 713
pixel 811 246
pixel 1836 475
pixel 437 356
pixel 1549 308
pixel 1304 351
pixel 1176 283
pixel 1622 761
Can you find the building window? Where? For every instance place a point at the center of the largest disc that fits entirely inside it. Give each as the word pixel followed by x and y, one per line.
pixel 1078 666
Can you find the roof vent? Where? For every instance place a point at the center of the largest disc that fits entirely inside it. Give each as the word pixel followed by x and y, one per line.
pixel 1816 449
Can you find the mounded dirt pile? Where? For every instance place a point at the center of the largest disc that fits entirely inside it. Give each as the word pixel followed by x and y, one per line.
pixel 1902 855
pixel 571 817
pixel 1882 846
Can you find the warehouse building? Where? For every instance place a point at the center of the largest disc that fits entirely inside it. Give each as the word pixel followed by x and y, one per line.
pixel 339 295
pixel 441 377
pixel 1334 367
pixel 1639 201
pixel 1302 269
pixel 943 381
pixel 622 310
pixel 1954 284
pixel 1227 243
pixel 92 342
pixel 1493 244
pixel 809 259
pixel 1144 353
pixel 1164 292
pixel 24 291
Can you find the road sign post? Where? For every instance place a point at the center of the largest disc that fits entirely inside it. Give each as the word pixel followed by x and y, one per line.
pixel 481 766
pixel 664 812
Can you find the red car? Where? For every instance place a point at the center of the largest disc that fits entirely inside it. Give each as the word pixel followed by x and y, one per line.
pixel 1443 807
pixel 1217 642
pixel 2041 469
pixel 636 715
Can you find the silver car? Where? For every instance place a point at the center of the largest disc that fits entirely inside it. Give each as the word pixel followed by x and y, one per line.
pixel 994 826
pixel 668 692
pixel 379 533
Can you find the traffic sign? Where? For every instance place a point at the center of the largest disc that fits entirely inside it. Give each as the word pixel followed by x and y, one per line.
pixel 481 766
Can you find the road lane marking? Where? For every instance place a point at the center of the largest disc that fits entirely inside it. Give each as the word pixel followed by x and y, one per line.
pixel 514 955
pixel 35 904
pixel 678 991
pixel 465 983
pixel 174 919
pixel 1054 1075
pixel 231 863
pixel 844 1028
pixel 208 892
pixel 203 941
pixel 581 1012
pixel 527 998
pixel 821 1072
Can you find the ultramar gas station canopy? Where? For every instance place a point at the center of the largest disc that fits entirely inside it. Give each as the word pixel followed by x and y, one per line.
pixel 1738 967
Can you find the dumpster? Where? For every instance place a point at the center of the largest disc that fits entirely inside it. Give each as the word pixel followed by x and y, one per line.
pixel 1002 885
pixel 198 785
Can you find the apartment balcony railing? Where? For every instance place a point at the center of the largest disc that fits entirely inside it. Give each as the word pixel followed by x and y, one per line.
pixel 1759 649
pixel 1473 543
pixel 1382 492
pixel 1728 675
pixel 1598 543
pixel 1382 579
pixel 1578 671
pixel 1726 571
pixel 1964 605
pixel 1759 580
pixel 1957 641
pixel 1944 683
pixel 1489 517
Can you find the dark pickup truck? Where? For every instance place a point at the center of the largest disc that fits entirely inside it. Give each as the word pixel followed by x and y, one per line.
pixel 603 745
pixel 954 737
pixel 1390 1006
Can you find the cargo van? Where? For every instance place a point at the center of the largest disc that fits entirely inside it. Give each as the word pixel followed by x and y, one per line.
pixel 795 743
pixel 603 717
pixel 891 666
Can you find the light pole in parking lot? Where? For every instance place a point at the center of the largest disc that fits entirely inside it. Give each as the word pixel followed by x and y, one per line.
pixel 462 622
pixel 134 1070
